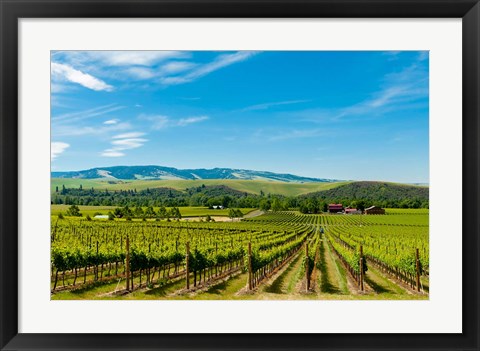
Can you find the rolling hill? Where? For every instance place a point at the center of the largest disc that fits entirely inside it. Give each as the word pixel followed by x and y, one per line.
pixel 170 173
pixel 373 191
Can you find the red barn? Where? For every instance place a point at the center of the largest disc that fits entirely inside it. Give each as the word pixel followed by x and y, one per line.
pixel 335 208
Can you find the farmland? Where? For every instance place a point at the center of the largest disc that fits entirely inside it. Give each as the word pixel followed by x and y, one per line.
pixel 276 255
pixel 249 186
pixel 184 211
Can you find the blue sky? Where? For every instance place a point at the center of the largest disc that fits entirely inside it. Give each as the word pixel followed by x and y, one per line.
pixel 360 115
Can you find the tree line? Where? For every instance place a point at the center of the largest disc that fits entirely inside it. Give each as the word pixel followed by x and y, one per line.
pixel 210 196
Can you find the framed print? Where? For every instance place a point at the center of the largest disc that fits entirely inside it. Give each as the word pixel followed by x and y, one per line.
pixel 221 175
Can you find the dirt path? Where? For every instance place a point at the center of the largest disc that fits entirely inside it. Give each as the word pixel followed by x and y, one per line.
pixel 255 213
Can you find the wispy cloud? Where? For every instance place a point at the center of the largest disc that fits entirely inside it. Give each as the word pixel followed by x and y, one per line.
pixel 295 134
pixel 141 73
pixel 122 142
pixel 112 153
pixel 268 105
pixel 126 144
pixel 57 148
pixel 202 70
pixel 165 67
pixel 85 114
pixel 400 90
pixel 80 122
pixel 190 120
pixel 158 122
pixel 176 67
pixel 62 71
pixel 128 135
pixel 121 58
pixel 74 130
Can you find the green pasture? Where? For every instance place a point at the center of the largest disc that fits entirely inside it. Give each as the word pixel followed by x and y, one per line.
pixel 248 186
pixel 185 211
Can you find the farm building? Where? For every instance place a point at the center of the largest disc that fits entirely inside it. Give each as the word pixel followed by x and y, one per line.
pixel 220 207
pixel 335 208
pixel 352 211
pixel 101 216
pixel 374 210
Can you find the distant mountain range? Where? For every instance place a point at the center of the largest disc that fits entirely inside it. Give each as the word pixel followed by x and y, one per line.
pixel 170 173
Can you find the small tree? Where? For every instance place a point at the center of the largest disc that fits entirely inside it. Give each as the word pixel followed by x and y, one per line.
pixel 150 213
pixel 162 213
pixel 73 211
pixel 139 212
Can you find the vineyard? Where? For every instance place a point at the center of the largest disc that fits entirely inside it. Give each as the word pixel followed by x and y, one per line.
pixel 277 255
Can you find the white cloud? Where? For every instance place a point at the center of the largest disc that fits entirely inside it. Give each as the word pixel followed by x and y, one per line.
pixel 176 67
pixel 74 130
pixel 186 121
pixel 111 121
pixel 220 61
pixel 128 135
pixel 126 144
pixel 140 58
pixel 272 104
pixel 295 134
pixel 57 148
pixel 140 72
pixel 93 112
pixel 121 58
pixel 159 122
pixel 112 153
pixel 63 71
pixel 122 142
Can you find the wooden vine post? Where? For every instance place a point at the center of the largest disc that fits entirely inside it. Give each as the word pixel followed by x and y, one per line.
pixel 249 266
pixel 417 262
pixel 361 267
pixel 96 266
pixel 307 277
pixel 127 263
pixel 186 263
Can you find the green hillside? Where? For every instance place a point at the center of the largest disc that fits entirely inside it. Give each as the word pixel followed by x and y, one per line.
pixel 249 186
pixel 374 192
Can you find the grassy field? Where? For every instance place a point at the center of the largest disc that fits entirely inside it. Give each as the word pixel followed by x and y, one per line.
pixel 185 211
pixel 249 186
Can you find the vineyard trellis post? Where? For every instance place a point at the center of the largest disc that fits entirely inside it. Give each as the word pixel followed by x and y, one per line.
pixel 186 263
pixel 307 265
pixel 417 264
pixel 127 263
pixel 249 266
pixel 361 267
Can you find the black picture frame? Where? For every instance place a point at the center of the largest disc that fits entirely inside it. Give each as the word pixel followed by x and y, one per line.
pixel 12 11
